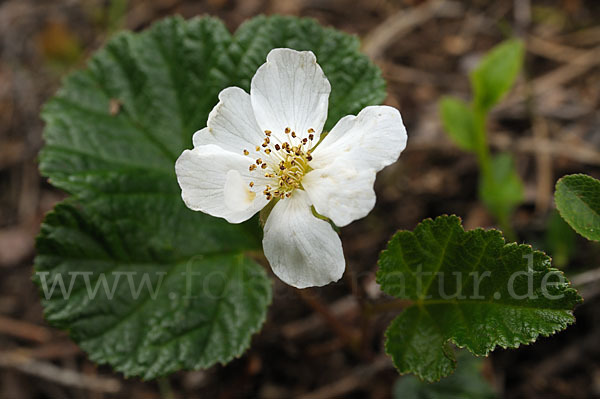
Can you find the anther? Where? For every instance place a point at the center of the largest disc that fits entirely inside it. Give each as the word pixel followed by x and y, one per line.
pixel 277 147
pixel 246 152
pixel 251 184
pixel 294 134
pixel 257 149
pixel 268 132
pixel 311 130
pixel 252 167
pixel 311 136
pixel 287 130
pixel 264 166
pixel 267 150
pixel 258 161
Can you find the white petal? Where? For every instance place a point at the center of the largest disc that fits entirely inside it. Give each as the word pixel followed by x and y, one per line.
pixel 237 192
pixel 231 123
pixel 371 140
pixel 203 174
pixel 341 192
pixel 303 251
pixel 291 91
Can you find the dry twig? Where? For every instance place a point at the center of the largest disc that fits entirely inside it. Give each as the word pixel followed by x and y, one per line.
pixel 24 330
pixel 402 22
pixel 58 375
pixel 357 378
pixel 554 79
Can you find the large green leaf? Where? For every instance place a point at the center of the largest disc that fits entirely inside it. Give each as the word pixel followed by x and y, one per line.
pixel 469 288
pixel 113 133
pixel 577 198
pixel 150 303
pixel 496 73
pixel 466 383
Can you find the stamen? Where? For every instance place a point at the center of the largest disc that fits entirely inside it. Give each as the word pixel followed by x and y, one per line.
pixel 286 162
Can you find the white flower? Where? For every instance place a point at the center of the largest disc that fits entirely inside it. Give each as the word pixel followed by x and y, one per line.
pixel 262 147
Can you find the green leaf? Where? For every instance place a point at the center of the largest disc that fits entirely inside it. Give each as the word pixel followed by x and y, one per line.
pixel 469 288
pixel 559 240
pixel 496 73
pixel 501 189
pixel 577 199
pixel 466 383
pixel 150 304
pixel 113 133
pixel 459 122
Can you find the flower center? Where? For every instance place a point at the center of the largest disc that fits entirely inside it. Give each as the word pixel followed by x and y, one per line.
pixel 285 162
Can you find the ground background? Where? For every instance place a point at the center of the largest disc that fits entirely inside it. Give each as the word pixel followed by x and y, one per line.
pixel 551 122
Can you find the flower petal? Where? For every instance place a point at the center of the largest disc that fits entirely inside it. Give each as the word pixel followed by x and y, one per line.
pixel 303 251
pixel 204 175
pixel 341 192
pixel 237 193
pixel 373 139
pixel 290 91
pixel 231 123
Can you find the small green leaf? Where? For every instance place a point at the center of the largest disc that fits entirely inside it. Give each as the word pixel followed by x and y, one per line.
pixel 466 383
pixel 459 123
pixel 577 199
pixel 501 189
pixel 559 240
pixel 469 288
pixel 496 73
pixel 113 133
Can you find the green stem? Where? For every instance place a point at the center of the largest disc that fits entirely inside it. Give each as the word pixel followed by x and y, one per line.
pixel 485 166
pixel 483 151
